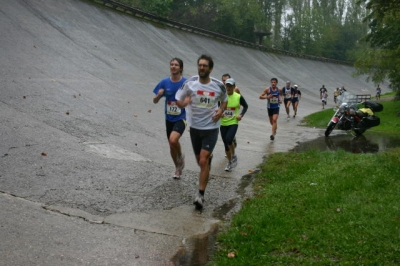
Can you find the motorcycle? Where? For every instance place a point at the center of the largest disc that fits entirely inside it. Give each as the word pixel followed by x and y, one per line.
pixel 349 117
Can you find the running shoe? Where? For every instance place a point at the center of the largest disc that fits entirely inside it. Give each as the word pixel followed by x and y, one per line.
pixel 228 167
pixel 234 161
pixel 198 201
pixel 181 162
pixel 288 116
pixel 234 158
pixel 272 137
pixel 177 174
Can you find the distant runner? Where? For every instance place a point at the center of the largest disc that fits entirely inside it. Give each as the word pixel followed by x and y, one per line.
pixel 336 94
pixel 274 98
pixel 287 94
pixel 323 94
pixel 378 93
pixel 296 97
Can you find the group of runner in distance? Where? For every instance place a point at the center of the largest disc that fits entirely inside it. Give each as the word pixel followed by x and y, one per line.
pixel 210 106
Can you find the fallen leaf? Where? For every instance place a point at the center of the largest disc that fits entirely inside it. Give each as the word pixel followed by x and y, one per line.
pixel 149 111
pixel 135 115
pixel 231 254
pixel 34 46
pixel 251 171
pixel 248 142
pixel 74 96
pixel 295 250
pixel 44 154
pixel 67 112
pixel 136 256
pixel 24 97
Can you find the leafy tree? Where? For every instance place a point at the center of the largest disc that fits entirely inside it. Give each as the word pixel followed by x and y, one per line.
pixel 327 28
pixel 157 7
pixel 381 60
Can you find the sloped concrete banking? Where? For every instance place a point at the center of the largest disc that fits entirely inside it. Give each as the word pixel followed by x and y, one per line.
pixel 80 134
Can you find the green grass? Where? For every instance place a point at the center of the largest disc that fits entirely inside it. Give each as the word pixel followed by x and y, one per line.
pixel 390 122
pixel 319 208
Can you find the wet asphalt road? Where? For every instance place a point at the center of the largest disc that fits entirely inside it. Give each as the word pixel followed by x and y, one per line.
pixel 85 172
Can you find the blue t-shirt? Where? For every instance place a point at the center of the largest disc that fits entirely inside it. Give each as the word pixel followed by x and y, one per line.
pixel 172 112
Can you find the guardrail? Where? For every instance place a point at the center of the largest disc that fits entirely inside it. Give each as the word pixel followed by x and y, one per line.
pixel 175 24
pixel 363 97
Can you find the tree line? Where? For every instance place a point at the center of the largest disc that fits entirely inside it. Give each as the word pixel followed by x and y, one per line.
pixel 366 32
pixel 323 28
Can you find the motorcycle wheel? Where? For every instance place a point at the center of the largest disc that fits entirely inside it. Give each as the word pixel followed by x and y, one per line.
pixel 329 129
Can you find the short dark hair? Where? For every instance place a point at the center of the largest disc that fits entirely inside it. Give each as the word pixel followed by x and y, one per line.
pixel 226 75
pixel 180 62
pixel 275 79
pixel 208 58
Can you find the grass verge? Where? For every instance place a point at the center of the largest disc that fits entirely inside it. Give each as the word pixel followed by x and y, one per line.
pixel 321 208
pixel 318 208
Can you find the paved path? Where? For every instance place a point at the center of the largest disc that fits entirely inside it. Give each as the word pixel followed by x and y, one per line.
pixel 85 173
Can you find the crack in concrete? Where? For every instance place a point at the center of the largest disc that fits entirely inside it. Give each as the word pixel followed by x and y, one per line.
pixel 115 220
pixel 13 147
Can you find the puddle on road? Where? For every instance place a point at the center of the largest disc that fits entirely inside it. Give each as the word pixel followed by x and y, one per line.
pixel 199 250
pixel 371 142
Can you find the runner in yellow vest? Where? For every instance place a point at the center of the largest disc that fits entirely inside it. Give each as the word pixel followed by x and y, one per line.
pixel 237 90
pixel 230 121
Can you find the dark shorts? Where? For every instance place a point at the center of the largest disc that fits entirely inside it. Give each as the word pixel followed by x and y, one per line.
pixel 228 134
pixel 203 139
pixel 295 100
pixel 178 126
pixel 273 111
pixel 287 100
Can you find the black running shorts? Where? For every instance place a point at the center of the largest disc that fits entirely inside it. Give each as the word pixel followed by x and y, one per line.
pixel 178 126
pixel 273 111
pixel 203 139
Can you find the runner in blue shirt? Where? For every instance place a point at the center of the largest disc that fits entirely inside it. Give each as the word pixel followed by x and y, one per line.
pixel 175 117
